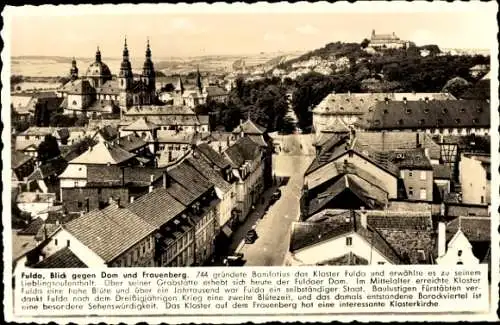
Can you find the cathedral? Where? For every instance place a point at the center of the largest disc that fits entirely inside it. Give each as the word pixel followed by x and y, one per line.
pixel 99 92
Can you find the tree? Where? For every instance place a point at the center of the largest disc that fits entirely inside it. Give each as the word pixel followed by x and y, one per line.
pixel 48 149
pixel 456 86
pixel 364 44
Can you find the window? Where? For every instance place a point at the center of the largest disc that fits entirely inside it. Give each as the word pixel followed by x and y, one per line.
pixel 410 174
pixel 423 194
pixel 460 263
pixel 80 204
pixel 55 241
pixel 129 258
pixel 482 199
pixel 410 191
pixel 67 242
pixel 381 263
pixel 423 175
pixel 348 241
pixel 459 252
pixel 27 137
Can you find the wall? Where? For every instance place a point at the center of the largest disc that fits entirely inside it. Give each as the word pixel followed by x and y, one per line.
pixel 226 205
pixel 459 242
pixel 205 236
pixel 476 188
pixel 337 247
pixel 86 255
pixel 70 197
pixel 140 255
pixel 414 183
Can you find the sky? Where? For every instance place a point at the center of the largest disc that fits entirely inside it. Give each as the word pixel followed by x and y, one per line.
pixel 238 33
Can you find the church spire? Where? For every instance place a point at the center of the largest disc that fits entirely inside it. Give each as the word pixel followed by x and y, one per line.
pixel 74 70
pixel 125 50
pixel 98 55
pixel 148 50
pixel 198 80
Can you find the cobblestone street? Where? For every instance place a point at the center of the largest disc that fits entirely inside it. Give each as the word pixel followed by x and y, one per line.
pixel 273 226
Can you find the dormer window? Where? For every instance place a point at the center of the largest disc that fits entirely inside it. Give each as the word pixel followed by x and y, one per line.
pixel 439 121
pixel 475 121
pixel 422 121
pixel 386 111
pixel 408 111
pixel 479 110
pixel 457 120
pixel 400 122
pixel 445 111
pixel 462 110
pixel 426 110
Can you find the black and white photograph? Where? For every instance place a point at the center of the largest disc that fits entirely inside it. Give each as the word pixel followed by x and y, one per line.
pixel 250 138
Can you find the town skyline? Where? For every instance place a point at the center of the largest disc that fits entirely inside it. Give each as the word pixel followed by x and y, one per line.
pixel 177 35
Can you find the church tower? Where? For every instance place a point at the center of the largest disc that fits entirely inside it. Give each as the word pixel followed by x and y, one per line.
pixel 199 85
pixel 148 77
pixel 179 92
pixel 125 78
pixel 73 72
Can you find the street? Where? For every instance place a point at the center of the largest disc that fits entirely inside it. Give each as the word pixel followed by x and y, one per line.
pixel 273 229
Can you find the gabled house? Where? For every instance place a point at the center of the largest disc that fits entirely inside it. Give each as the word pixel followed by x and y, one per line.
pixel 465 240
pixel 362 237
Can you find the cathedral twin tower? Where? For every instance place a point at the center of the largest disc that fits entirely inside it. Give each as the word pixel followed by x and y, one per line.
pixel 141 91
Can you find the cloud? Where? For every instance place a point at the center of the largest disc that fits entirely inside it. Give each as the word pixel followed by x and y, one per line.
pixel 307 30
pixel 274 37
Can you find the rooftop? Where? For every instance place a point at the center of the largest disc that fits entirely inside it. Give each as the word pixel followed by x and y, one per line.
pixel 103 154
pixel 63 258
pixel 157 207
pixel 109 232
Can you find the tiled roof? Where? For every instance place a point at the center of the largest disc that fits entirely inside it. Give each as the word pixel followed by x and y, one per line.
pixel 110 87
pixel 347 259
pixel 131 142
pixel 476 229
pixel 54 167
pixel 213 156
pixel 190 179
pixel 103 154
pixel 22 244
pixel 38 130
pixel 173 137
pixel 78 87
pixel 141 124
pixel 114 176
pixel 334 224
pixel 160 110
pixel 312 232
pixel 32 228
pixel 109 232
pixel 402 220
pixel 336 146
pixel 213 176
pixel 63 258
pixel 181 194
pixel 47 230
pixel 108 133
pixel 370 194
pixel 480 91
pixel 242 150
pixel 18 159
pixel 410 159
pixel 157 207
pixel 441 172
pixel 249 127
pixel 429 114
pixel 258 139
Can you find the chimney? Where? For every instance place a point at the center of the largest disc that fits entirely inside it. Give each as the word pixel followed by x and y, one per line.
pixel 441 238
pixel 132 199
pixel 123 176
pixel 151 180
pixel 165 180
pixel 87 204
pixel 118 202
pixel 363 217
pixel 426 152
pixel 417 135
pixel 220 148
pixel 426 99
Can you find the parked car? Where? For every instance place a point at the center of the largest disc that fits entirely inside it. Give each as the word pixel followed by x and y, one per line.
pixel 234 260
pixel 276 195
pixel 251 236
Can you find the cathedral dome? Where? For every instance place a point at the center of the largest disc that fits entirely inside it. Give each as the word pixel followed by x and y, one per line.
pixel 98 68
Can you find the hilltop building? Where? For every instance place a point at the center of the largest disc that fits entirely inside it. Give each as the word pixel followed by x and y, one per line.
pixel 386 41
